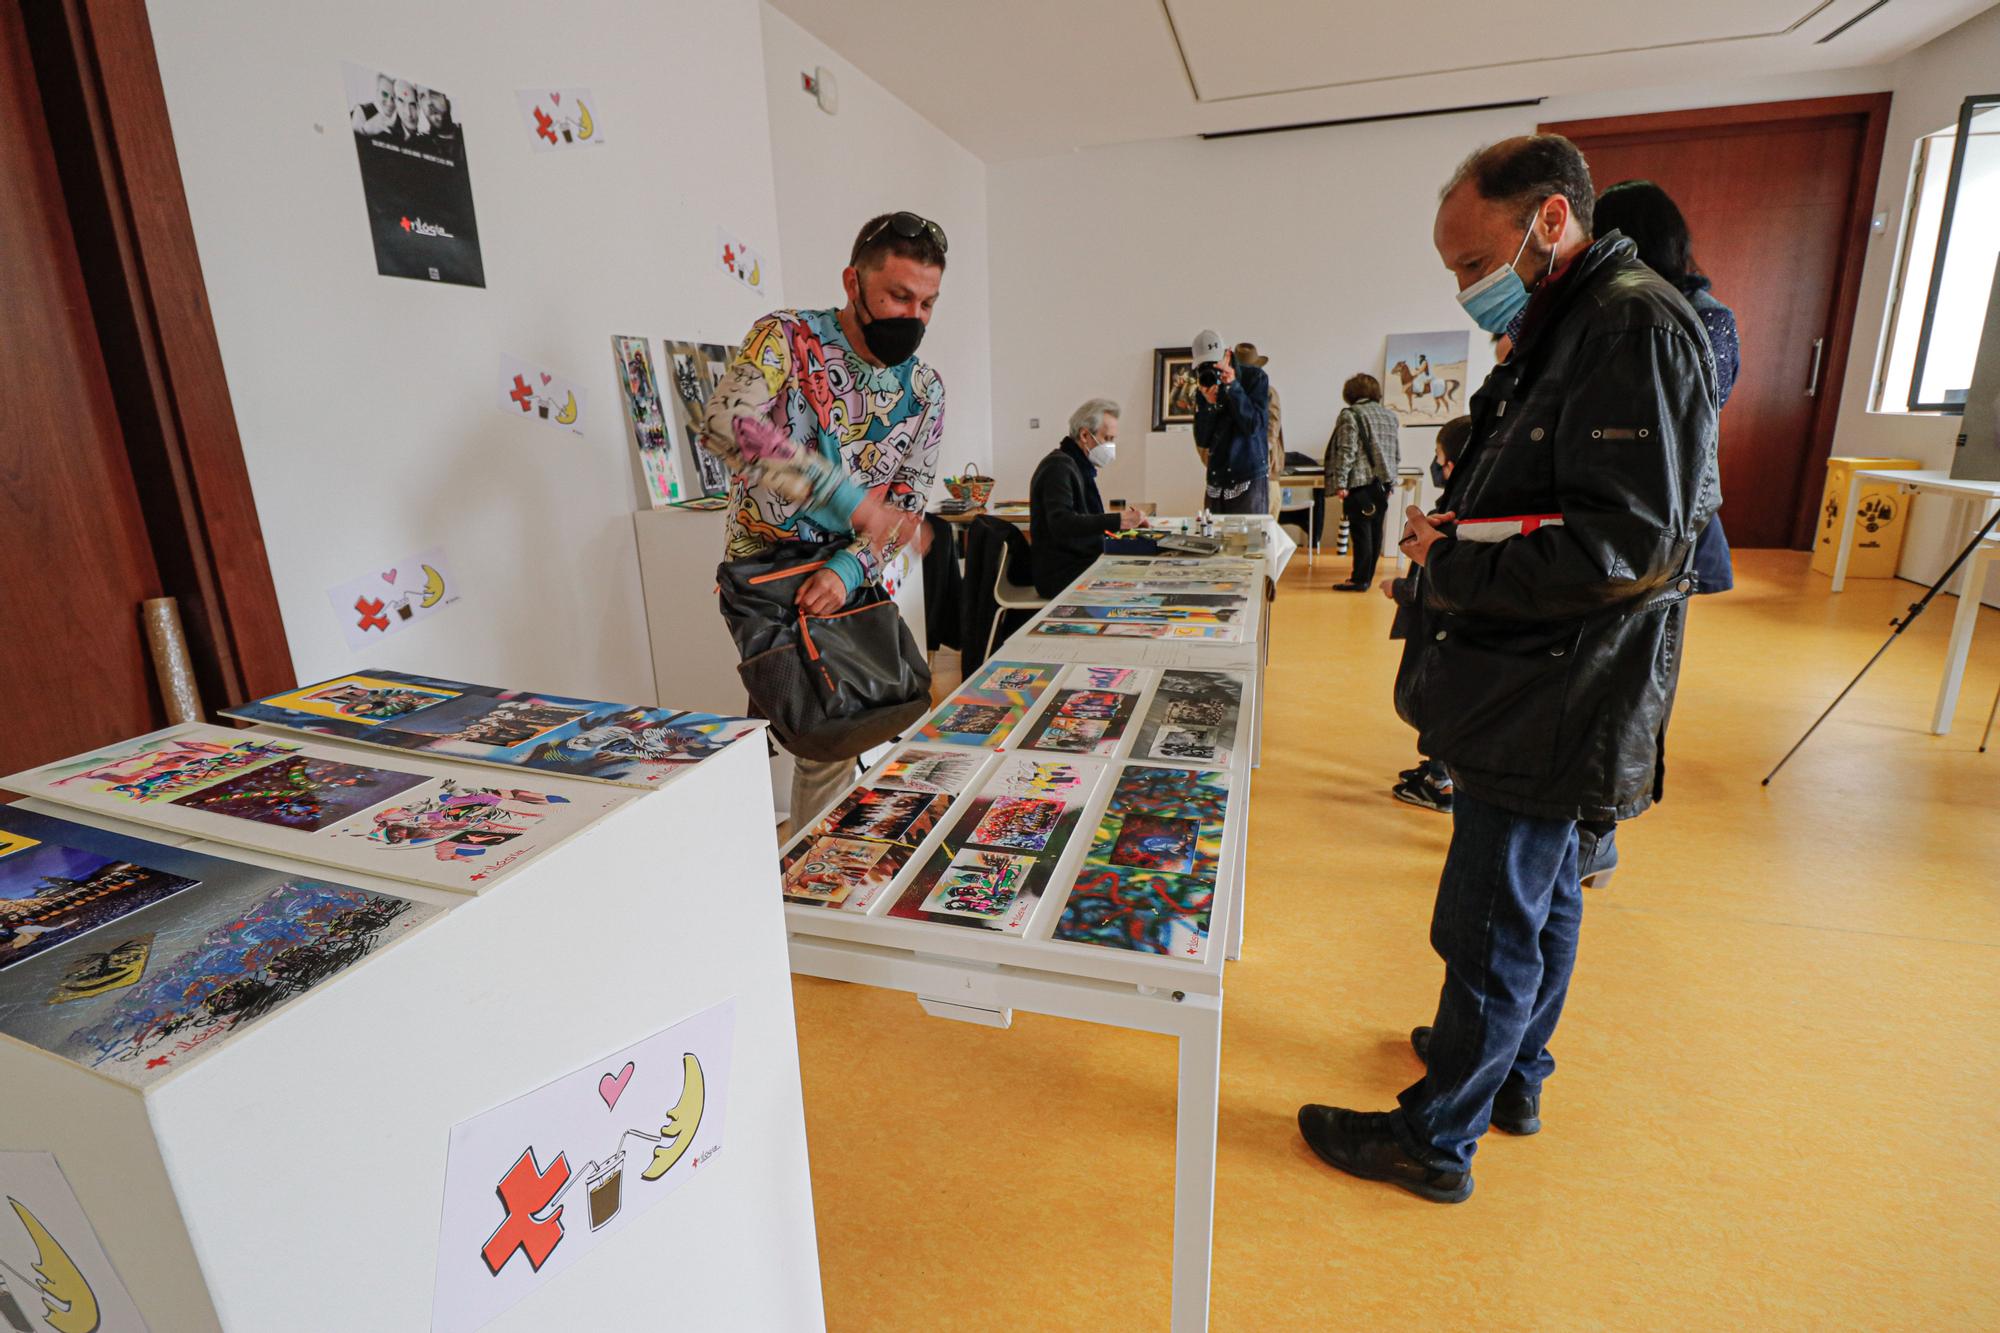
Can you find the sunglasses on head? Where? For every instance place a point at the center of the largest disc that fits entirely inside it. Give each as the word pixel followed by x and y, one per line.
pixel 909 226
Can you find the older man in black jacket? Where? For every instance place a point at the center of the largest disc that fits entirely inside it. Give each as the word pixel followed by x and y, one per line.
pixel 1066 515
pixel 1543 668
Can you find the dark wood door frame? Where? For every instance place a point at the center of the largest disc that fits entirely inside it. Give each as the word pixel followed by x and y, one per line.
pixel 114 149
pixel 1872 109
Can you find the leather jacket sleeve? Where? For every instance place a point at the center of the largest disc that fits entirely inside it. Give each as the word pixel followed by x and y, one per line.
pixel 1632 455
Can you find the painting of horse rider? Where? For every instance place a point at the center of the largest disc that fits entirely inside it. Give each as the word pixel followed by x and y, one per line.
pixel 1424 383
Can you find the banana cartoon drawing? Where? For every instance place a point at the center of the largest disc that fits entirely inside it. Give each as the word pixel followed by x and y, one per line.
pixel 68 1303
pixel 567 417
pixel 433 586
pixel 756 278
pixel 585 128
pixel 681 1122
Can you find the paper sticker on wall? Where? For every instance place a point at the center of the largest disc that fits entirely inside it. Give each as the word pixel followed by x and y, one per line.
pixel 539 395
pixel 560 118
pixel 53 1272
pixel 374 605
pixel 533 1185
pixel 738 260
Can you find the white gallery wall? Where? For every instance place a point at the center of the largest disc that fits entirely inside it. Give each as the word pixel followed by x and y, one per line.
pixel 1313 244
pixel 370 406
pixel 876 155
pixel 1929 84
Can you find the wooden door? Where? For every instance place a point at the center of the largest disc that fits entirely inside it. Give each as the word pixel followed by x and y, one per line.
pixel 1776 198
pixel 75 560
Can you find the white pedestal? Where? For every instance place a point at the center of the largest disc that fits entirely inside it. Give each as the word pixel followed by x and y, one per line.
pixel 694 659
pixel 294 1179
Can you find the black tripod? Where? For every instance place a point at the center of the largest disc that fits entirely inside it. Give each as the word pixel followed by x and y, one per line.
pixel 1916 609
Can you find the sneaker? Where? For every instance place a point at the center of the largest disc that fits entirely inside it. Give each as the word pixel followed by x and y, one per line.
pixel 1410 774
pixel 1515 1110
pixel 1362 1144
pixel 1420 789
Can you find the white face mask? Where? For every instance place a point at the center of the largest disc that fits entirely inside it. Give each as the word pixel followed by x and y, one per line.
pixel 1103 452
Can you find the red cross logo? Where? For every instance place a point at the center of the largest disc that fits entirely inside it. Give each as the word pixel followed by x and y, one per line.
pixel 542 124
pixel 406 224
pixel 522 1191
pixel 729 259
pixel 371 613
pixel 521 393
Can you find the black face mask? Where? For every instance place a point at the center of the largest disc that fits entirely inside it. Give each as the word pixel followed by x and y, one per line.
pixel 890 341
pixel 1437 473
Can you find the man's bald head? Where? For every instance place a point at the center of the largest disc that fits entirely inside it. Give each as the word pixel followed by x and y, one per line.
pixel 1525 201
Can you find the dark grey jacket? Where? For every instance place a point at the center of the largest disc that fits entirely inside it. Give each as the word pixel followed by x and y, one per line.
pixel 1066 518
pixel 1541 669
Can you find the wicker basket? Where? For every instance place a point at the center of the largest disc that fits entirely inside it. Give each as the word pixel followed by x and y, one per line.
pixel 973 486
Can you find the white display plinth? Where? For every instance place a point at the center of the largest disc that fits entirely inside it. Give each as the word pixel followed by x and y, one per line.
pixel 694 659
pixel 294 1178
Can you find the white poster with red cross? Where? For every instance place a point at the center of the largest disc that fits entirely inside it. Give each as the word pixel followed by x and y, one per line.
pixel 559 119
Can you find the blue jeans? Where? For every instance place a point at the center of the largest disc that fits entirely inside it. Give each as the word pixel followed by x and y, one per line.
pixel 1506 921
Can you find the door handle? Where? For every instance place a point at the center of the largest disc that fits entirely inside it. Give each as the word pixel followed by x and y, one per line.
pixel 1819 348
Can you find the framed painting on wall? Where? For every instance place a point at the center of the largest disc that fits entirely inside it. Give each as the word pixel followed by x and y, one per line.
pixel 1423 376
pixel 1173 387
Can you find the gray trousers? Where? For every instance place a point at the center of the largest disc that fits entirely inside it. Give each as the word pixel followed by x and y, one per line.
pixel 816 785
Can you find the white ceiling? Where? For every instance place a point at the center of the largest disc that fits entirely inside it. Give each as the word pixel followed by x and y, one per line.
pixel 1023 78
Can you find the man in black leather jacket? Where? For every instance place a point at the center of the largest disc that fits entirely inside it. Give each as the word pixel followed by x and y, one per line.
pixel 1543 664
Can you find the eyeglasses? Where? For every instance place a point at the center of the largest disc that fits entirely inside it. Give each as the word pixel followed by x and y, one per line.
pixel 908 226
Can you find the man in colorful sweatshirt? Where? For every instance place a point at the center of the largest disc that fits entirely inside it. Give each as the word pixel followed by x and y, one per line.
pixel 831 426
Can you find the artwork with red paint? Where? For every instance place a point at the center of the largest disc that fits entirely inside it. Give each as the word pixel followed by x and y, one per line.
pixel 558 120
pixel 536 1183
pixel 392 596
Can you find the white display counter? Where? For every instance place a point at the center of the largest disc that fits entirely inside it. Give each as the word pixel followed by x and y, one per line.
pixel 292 1178
pixel 894 929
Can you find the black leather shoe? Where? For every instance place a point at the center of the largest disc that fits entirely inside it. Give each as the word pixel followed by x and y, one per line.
pixel 1515 1110
pixel 1362 1144
pixel 1350 586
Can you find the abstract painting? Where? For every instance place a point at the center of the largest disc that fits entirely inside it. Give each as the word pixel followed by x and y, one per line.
pixel 1150 879
pixel 986 708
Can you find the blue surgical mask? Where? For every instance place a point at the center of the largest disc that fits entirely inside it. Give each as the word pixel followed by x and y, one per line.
pixel 1497 299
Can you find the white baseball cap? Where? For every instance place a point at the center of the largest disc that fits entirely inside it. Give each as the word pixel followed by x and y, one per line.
pixel 1207 347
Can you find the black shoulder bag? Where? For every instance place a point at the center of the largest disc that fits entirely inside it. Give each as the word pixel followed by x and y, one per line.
pixel 832 686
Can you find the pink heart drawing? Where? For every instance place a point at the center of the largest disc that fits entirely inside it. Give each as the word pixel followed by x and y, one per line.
pixel 389 577
pixel 556 98
pixel 546 377
pixel 612 1086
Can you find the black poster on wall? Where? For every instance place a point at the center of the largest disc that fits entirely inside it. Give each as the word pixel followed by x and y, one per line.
pixel 414 178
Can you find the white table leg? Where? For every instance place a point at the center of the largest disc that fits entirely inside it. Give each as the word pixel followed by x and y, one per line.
pixel 1962 625
pixel 1233 946
pixel 1846 531
pixel 1194 1160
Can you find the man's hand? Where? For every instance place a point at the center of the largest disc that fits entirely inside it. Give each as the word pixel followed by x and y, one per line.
pixel 1388 587
pixel 883 525
pixel 1129 517
pixel 822 594
pixel 1421 532
pixel 1227 370
pixel 1342 492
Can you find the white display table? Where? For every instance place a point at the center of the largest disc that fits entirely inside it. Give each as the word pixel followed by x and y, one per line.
pixel 292 1178
pixel 980 972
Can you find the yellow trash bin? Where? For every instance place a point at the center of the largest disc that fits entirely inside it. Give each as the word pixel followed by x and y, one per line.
pixel 1880 520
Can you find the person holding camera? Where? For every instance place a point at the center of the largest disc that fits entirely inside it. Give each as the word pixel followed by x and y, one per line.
pixel 1066 515
pixel 1361 462
pixel 1231 423
pixel 1542 666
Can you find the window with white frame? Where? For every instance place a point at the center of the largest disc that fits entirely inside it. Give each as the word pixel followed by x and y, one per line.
pixel 1951 238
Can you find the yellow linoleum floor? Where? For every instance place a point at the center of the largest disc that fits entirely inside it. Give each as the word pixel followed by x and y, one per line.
pixel 1779 1081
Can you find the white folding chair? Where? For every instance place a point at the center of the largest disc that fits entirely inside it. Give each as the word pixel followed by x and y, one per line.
pixel 1010 596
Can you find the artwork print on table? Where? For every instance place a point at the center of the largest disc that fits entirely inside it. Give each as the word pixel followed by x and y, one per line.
pixel 537 1183
pixel 985 709
pixel 1192 718
pixel 979 883
pixel 852 853
pixel 51 892
pixel 934 769
pixel 583 738
pixel 1149 881
pixel 183 973
pixel 297 799
pixel 54 1273
pixel 1026 812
